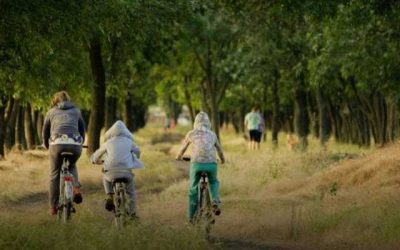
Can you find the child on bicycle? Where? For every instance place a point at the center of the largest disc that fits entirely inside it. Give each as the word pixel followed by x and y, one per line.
pixel 205 144
pixel 120 155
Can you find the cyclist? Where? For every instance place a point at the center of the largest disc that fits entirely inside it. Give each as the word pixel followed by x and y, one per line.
pixel 205 144
pixel 63 131
pixel 120 157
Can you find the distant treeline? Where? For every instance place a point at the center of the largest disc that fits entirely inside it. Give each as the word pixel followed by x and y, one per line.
pixel 330 68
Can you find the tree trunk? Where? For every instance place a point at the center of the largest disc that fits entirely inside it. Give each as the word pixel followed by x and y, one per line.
pixel 275 112
pixel 188 97
pixel 392 130
pixel 214 115
pixel 208 89
pixel 96 119
pixel 28 127
pixel 128 113
pixel 211 88
pixel 134 114
pixel 10 125
pixel 301 119
pixel 111 112
pixel 3 102
pixel 140 113
pixel 20 142
pixel 7 109
pixel 323 116
pixel 336 122
pixel 39 126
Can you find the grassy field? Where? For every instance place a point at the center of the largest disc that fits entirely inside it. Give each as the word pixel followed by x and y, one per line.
pixel 344 197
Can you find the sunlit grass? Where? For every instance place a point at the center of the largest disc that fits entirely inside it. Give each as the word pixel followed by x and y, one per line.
pixel 91 232
pixel 343 194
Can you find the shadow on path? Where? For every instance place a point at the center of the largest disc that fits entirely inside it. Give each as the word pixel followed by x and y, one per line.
pixel 28 199
pixel 231 244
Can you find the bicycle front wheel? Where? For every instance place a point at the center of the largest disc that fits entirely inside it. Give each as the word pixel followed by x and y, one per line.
pixel 67 209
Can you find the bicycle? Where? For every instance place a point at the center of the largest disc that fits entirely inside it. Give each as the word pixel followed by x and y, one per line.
pixel 204 217
pixel 65 201
pixel 65 205
pixel 120 200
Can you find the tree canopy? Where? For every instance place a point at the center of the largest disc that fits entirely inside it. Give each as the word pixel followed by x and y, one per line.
pixel 327 68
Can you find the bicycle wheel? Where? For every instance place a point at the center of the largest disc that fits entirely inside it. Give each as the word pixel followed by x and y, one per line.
pixel 119 202
pixel 61 200
pixel 208 214
pixel 65 204
pixel 67 208
pixel 204 218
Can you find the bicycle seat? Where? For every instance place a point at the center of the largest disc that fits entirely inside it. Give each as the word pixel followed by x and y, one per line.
pixel 120 180
pixel 67 153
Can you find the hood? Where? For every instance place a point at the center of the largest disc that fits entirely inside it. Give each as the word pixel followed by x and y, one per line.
pixel 65 105
pixel 201 121
pixel 118 129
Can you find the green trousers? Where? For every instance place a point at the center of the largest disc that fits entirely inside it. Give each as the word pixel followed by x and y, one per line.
pixel 195 171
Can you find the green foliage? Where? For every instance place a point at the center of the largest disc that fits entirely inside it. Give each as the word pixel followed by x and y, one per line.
pixel 170 50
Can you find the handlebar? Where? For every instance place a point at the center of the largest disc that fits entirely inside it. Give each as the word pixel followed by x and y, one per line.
pixel 183 158
pixel 186 158
pixel 98 162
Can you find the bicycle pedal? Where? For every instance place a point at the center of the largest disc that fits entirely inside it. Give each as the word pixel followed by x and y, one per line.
pixel 73 210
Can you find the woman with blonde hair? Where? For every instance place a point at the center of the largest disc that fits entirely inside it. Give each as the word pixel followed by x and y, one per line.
pixel 63 131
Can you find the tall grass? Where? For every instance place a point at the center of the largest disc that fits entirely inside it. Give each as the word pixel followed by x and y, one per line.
pixel 342 197
pixel 91 232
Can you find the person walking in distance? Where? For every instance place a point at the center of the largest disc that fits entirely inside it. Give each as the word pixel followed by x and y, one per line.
pixel 261 127
pixel 252 122
pixel 63 131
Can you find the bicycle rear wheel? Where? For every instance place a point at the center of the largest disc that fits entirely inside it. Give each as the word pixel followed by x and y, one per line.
pixel 120 206
pixel 61 202
pixel 65 206
pixel 204 217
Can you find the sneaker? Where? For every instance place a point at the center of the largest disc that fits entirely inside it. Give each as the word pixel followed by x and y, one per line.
pixel 215 207
pixel 133 217
pixel 77 195
pixel 191 221
pixel 52 211
pixel 110 204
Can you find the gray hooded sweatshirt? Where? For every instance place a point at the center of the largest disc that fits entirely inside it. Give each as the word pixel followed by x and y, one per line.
pixel 118 151
pixel 63 119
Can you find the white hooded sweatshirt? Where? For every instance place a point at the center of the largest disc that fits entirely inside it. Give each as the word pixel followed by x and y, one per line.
pixel 118 151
